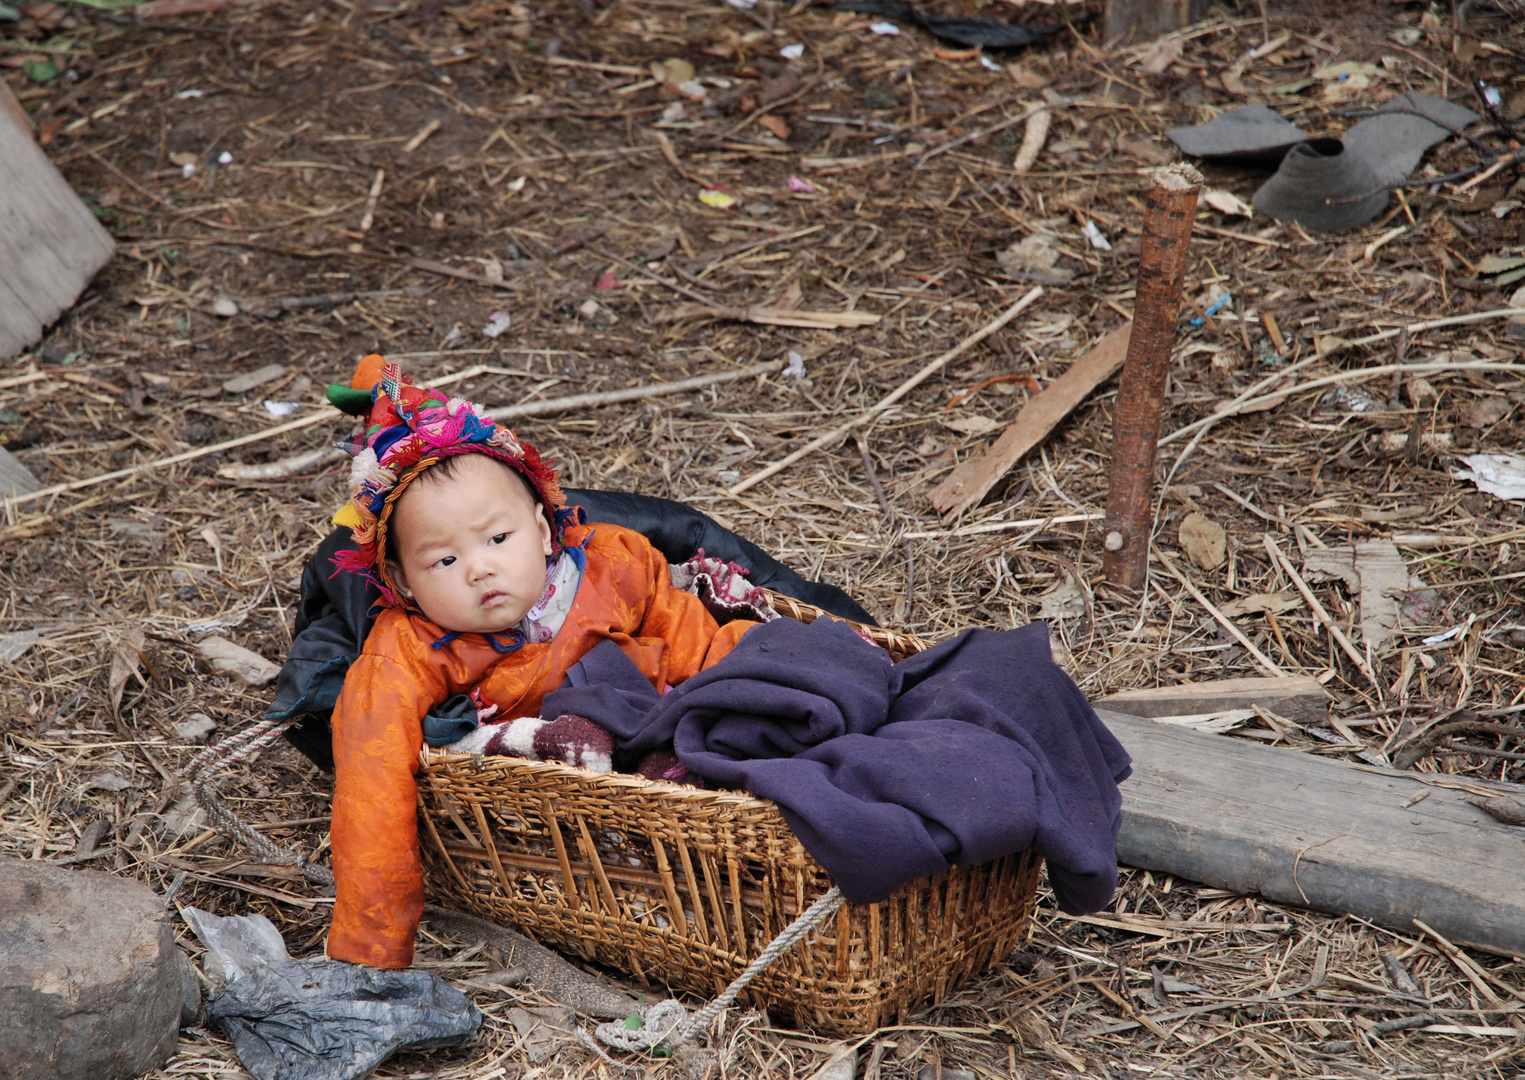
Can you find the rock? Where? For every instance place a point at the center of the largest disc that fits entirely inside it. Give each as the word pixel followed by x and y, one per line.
pixel 15 478
pixel 224 307
pixel 236 660
pixel 90 978
pixel 190 993
pixel 242 384
pixel 196 727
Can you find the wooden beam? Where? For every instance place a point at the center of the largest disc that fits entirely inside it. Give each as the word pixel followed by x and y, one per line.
pixel 1298 697
pixel 969 483
pixel 1306 830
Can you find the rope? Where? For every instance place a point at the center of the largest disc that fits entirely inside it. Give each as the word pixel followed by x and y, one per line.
pixel 808 920
pixel 205 770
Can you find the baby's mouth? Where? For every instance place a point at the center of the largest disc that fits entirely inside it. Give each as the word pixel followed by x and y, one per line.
pixel 493 599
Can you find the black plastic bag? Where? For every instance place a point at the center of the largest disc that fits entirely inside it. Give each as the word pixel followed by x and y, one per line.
pixel 330 1020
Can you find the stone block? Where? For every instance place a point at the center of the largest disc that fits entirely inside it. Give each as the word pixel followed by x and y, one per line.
pixel 90 978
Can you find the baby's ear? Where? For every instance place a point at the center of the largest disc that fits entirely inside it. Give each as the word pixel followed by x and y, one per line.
pixel 400 579
pixel 545 530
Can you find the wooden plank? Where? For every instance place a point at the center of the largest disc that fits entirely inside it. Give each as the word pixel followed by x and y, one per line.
pixel 1297 697
pixel 1301 829
pixel 968 484
pixel 50 243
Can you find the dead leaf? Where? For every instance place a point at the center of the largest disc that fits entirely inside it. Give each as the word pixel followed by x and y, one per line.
pixel 1037 256
pixel 1274 602
pixel 1033 1030
pixel 214 542
pixel 1204 541
pixel 14 646
pixel 1145 150
pixel 1226 202
pixel 674 71
pixel 776 125
pixel 544 1031
pixel 1162 54
pixel 107 781
pixel 1063 601
pixel 973 425
pixel 235 660
pixel 1376 572
pixel 125 660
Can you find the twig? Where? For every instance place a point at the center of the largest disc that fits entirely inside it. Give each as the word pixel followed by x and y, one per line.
pixel 1464 963
pixel 1012 121
pixel 1249 399
pixel 1223 620
pixel 901 391
pixel 536 408
pixel 634 393
pixel 889 523
pixel 1318 611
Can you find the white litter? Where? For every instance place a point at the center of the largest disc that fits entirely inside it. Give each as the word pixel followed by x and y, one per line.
pixel 884 29
pixel 1497 474
pixel 1094 235
pixel 796 368
pixel 192 93
pixel 497 324
pixel 792 52
pixel 225 158
pixel 1436 639
pixel 282 408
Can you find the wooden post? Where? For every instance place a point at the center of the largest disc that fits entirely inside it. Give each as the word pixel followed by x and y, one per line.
pixel 1169 207
pixel 1133 22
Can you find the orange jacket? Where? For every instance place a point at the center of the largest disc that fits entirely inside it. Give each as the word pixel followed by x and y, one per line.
pixel 625 596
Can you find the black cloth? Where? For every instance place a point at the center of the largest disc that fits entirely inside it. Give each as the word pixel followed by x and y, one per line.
pixel 976 748
pixel 332 618
pixel 974 33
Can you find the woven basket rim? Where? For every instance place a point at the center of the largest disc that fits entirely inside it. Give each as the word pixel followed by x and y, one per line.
pixel 611 781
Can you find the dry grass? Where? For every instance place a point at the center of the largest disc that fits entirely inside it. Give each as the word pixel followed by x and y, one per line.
pixel 311 99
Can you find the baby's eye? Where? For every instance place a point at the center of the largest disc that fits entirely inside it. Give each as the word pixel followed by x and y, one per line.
pixel 500 538
pixel 448 560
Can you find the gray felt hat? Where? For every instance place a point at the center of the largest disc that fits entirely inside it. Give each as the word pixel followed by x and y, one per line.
pixel 1393 141
pixel 1253 131
pixel 1322 185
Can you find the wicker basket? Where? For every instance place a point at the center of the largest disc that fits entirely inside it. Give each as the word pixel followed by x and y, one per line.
pixel 685 887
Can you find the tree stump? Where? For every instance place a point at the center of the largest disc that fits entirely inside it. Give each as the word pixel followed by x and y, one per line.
pixel 1169 207
pixel 90 978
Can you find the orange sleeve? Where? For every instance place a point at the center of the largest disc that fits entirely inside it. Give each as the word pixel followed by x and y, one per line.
pixel 378 878
pixel 694 639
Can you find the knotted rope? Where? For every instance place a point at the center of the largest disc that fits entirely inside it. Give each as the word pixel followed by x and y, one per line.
pixel 203 774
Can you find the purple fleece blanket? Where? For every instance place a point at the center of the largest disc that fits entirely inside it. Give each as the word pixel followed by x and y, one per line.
pixel 979 747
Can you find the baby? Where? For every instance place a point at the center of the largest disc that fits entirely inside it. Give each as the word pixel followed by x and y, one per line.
pixel 490 587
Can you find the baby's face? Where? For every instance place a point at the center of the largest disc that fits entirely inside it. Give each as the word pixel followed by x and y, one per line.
pixel 471 547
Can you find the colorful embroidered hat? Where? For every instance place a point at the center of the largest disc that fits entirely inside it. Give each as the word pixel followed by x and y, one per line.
pixel 408 429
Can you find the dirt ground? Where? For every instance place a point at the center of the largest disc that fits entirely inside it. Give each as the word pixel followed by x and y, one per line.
pixel 301 183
